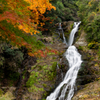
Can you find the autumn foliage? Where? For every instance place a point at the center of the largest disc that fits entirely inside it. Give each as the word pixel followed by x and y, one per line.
pixel 25 15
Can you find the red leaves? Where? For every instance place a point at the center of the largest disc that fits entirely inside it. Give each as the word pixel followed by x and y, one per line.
pixel 44 53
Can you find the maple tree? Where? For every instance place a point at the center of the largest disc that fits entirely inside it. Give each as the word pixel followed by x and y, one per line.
pixel 19 14
pixel 24 15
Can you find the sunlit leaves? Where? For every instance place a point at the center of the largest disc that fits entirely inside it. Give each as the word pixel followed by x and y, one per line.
pixel 25 15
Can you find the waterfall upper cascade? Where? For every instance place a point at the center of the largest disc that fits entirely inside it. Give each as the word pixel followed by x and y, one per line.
pixel 72 34
pixel 67 86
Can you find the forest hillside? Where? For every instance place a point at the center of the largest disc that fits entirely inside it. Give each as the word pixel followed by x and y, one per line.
pixel 32 61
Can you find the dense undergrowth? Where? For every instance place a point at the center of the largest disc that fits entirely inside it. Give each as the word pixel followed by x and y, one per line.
pixel 65 11
pixel 89 12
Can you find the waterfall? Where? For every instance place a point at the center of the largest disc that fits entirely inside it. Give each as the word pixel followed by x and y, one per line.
pixel 67 86
pixel 72 34
pixel 60 28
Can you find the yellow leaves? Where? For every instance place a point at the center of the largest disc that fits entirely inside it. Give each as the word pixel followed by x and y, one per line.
pixel 20 27
pixel 96 65
pixel 54 8
pixel 42 24
pixel 38 8
pixel 12 4
pixel 40 5
pixel 94 13
pixel 90 3
pixel 42 11
pixel 26 28
pixel 34 32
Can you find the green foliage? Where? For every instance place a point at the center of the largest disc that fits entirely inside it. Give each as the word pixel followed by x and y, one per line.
pixel 89 13
pixel 64 12
pixel 13 76
pixel 54 66
pixel 15 54
pixel 10 61
pixel 10 52
pixel 1 60
pixel 41 74
pixel 35 89
pixel 1 92
pixel 80 48
pixel 3 7
pixel 93 45
pixel 98 52
pixel 7 96
pixel 32 79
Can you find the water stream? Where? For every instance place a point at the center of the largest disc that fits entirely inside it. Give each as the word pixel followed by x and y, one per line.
pixel 60 28
pixel 72 34
pixel 65 89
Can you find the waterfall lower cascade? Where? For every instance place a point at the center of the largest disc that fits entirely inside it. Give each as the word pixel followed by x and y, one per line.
pixel 65 89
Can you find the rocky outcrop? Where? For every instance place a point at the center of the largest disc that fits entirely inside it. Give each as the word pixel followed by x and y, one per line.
pixel 66 26
pixel 91 91
pixel 81 41
pixel 9 93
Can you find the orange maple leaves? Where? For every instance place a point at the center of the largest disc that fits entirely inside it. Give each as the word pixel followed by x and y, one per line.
pixel 25 16
pixel 19 14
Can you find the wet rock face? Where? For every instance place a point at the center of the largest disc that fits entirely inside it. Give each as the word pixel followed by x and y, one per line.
pixel 66 26
pixel 64 64
pixel 62 70
pixel 81 41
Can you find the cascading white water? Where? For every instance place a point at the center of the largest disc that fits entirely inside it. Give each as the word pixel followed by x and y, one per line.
pixel 74 59
pixel 60 28
pixel 68 84
pixel 72 34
